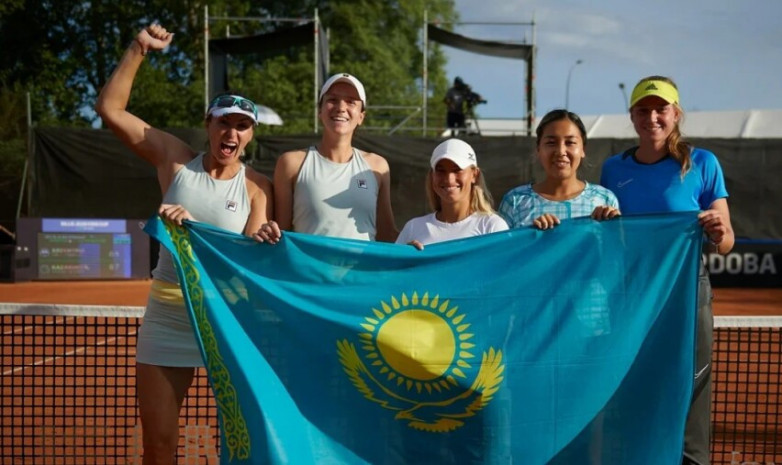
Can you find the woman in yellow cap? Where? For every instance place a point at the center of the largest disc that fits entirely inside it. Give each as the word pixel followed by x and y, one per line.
pixel 665 174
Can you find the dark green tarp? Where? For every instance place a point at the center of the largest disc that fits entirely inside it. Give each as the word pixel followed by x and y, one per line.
pixel 89 173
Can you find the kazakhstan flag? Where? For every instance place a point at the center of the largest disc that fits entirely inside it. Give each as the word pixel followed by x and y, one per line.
pixel 570 346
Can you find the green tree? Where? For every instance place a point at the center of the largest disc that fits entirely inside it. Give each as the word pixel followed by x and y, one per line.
pixel 377 41
pixel 63 51
pixel 13 149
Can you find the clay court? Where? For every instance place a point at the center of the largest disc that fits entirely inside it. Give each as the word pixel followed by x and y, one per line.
pixel 68 394
pixel 731 301
pixel 77 292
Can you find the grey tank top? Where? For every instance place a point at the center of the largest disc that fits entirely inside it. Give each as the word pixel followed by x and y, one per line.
pixel 220 202
pixel 336 199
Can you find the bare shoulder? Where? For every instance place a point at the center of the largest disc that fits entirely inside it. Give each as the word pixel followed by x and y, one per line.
pixel 376 162
pixel 290 163
pixel 293 158
pixel 257 179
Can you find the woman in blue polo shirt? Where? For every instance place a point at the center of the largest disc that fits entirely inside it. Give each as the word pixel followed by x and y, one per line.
pixel 665 174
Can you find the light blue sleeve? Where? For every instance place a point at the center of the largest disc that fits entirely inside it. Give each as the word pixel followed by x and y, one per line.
pixel 713 179
pixel 505 210
pixel 612 201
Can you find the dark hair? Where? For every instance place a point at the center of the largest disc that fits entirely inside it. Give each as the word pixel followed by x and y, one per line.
pixel 557 115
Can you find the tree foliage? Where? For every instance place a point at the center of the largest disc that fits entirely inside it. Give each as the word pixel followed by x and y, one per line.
pixel 63 51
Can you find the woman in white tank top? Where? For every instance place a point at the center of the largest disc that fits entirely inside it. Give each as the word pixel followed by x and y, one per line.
pixel 333 189
pixel 213 187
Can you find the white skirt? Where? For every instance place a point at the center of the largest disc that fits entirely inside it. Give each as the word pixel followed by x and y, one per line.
pixel 166 337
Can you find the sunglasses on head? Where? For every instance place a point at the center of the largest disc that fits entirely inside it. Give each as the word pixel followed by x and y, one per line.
pixel 228 101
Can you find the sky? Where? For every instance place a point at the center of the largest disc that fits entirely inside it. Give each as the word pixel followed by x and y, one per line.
pixel 722 54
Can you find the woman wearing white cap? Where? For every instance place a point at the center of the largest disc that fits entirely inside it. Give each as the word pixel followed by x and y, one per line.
pixel 333 189
pixel 461 204
pixel 665 174
pixel 561 142
pixel 214 187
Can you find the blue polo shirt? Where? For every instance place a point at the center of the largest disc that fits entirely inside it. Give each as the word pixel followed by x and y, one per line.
pixel 659 187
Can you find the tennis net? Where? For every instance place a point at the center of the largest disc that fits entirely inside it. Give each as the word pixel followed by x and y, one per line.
pixel 68 390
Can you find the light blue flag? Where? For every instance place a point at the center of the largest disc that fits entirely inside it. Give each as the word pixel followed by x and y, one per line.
pixel 569 346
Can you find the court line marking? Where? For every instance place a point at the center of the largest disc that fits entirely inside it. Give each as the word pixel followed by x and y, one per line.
pixel 66 354
pixel 24 329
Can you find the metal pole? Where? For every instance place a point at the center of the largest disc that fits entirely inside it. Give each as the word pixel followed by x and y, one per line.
pixel 531 82
pixel 425 73
pixel 567 85
pixel 206 58
pixel 316 26
pixel 26 162
pixel 262 19
pixel 487 23
pixel 407 118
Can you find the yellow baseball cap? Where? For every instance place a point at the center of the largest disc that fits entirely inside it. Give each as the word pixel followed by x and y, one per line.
pixel 658 88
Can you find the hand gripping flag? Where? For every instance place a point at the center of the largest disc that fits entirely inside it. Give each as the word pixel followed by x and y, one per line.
pixel 574 345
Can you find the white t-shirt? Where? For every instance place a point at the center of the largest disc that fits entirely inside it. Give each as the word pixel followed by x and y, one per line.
pixel 428 229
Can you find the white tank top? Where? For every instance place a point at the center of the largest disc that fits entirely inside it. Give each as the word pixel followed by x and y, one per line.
pixel 220 202
pixel 335 199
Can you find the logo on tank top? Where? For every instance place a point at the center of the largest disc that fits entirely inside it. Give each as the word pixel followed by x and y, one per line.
pixel 362 183
pixel 230 205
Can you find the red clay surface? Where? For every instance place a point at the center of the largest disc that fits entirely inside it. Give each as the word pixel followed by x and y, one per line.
pixel 727 301
pixel 77 292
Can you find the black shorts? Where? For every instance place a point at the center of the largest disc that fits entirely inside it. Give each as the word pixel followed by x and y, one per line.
pixel 455 120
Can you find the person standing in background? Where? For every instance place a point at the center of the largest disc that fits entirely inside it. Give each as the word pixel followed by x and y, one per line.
pixel 460 101
pixel 666 174
pixel 454 102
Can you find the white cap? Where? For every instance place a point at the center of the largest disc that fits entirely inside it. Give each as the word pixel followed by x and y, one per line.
pixel 456 150
pixel 344 77
pixel 233 104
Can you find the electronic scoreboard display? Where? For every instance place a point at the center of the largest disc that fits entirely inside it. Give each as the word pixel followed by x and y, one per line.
pixel 86 248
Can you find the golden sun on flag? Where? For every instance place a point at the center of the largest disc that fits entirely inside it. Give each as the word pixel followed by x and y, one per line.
pixel 419 343
pixel 418 359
